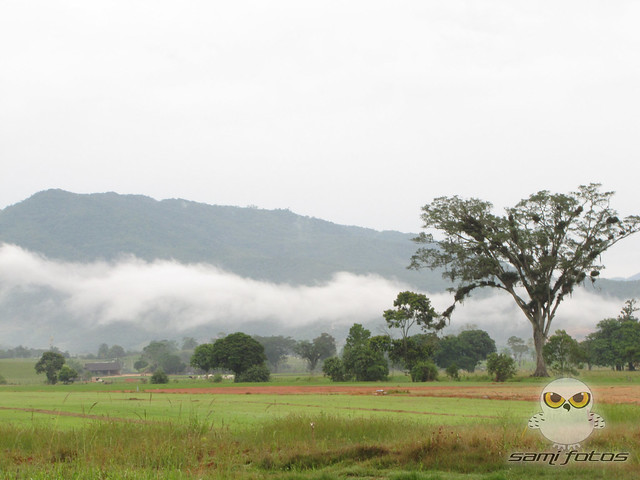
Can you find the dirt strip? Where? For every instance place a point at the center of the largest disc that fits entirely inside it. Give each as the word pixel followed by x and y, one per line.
pixel 602 394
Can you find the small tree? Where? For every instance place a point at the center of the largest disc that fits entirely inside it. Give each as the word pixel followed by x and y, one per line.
pixel 617 340
pixel 159 377
pixel 203 356
pixel 518 347
pixel 502 366
pixel 466 349
pixel 424 372
pixel 452 372
pixel 334 369
pixel 256 373
pixel 67 375
pixel 322 347
pixel 414 349
pixel 50 364
pixel 412 309
pixel 562 353
pixel 361 360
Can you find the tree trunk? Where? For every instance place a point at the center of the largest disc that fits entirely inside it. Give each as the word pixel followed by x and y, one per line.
pixel 538 341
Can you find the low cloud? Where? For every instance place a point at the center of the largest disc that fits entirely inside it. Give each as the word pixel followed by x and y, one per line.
pixel 172 297
pixel 191 295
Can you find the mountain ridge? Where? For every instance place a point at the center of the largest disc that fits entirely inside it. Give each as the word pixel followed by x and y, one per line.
pixel 271 245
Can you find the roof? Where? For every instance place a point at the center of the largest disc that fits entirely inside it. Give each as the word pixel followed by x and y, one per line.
pixel 103 366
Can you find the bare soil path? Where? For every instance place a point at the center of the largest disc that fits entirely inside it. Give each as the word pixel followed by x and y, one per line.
pixel 605 394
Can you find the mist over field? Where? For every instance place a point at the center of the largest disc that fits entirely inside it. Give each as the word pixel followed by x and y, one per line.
pixel 76 303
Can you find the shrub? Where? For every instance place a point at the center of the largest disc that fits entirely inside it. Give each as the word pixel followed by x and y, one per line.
pixel 502 366
pixel 159 377
pixel 67 375
pixel 3 381
pixel 453 372
pixel 334 369
pixel 217 378
pixel 257 373
pixel 424 372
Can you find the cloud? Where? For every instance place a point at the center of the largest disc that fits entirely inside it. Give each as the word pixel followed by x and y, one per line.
pixel 190 295
pixel 578 314
pixel 173 297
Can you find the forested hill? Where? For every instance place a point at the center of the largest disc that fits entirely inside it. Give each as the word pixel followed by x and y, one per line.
pixel 273 245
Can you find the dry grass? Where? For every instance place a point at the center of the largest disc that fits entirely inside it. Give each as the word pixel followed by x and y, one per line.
pixel 289 447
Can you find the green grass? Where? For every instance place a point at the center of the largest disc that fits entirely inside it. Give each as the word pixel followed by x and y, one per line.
pixel 19 370
pixel 146 434
pixel 245 410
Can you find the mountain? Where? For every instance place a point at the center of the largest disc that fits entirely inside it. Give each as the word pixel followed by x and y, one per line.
pixel 272 245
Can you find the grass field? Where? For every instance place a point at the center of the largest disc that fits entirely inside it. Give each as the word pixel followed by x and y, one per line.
pixel 102 431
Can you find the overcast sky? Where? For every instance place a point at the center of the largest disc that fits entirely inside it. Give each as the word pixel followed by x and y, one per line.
pixel 356 112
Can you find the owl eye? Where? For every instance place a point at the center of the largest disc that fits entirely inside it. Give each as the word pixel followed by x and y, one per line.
pixel 580 400
pixel 553 400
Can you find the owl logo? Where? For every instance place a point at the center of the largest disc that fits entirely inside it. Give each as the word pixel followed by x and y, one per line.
pixel 566 417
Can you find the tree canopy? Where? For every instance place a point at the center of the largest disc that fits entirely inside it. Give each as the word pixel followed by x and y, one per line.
pixel 464 350
pixel 236 352
pixel 322 347
pixel 617 340
pixel 562 353
pixel 362 359
pixel 276 348
pixel 411 309
pixel 50 364
pixel 538 252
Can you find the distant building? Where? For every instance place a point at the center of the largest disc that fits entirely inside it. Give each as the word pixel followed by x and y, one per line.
pixel 103 369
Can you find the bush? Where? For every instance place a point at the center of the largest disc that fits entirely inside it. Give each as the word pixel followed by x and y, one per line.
pixel 159 377
pixel 502 366
pixel 217 378
pixel 453 372
pixel 424 372
pixel 257 373
pixel 334 369
pixel 67 375
pixel 3 381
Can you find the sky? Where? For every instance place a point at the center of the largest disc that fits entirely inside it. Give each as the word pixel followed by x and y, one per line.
pixel 355 112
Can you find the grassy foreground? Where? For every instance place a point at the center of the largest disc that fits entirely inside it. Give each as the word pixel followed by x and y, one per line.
pixel 289 447
pixel 94 431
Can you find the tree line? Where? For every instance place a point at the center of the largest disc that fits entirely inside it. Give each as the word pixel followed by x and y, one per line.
pixel 364 357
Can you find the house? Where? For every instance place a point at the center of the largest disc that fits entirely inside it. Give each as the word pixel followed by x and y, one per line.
pixel 103 369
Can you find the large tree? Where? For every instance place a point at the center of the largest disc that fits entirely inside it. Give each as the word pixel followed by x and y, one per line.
pixel 237 352
pixel 537 252
pixel 50 364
